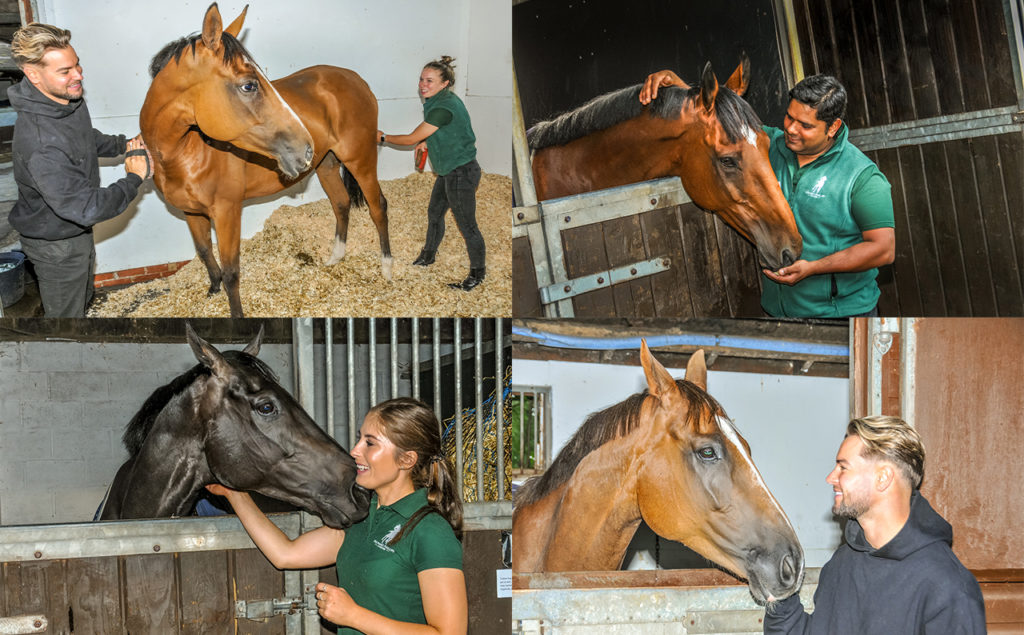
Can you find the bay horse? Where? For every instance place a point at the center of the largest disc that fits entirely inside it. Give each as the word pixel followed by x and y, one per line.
pixel 220 132
pixel 668 456
pixel 706 135
pixel 228 421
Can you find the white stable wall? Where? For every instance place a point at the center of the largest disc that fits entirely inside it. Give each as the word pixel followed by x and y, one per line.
pixel 794 425
pixel 387 43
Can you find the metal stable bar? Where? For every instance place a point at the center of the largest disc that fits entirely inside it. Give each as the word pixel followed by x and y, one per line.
pixel 437 372
pixel 478 370
pixel 372 344
pixel 394 357
pixel 908 370
pixel 31 543
pixel 966 125
pixel 351 353
pixel 499 404
pixel 329 370
pixel 457 352
pixel 415 358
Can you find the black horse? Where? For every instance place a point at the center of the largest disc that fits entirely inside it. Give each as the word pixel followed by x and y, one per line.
pixel 228 421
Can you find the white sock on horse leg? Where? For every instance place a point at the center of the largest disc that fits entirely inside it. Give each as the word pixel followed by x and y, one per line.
pixel 339 251
pixel 386 263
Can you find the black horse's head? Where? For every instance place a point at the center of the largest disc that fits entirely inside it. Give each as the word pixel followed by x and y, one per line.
pixel 228 421
pixel 256 437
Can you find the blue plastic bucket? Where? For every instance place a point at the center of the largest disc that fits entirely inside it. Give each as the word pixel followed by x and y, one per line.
pixel 12 277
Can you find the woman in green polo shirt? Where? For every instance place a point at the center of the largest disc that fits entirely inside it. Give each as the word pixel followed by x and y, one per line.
pixel 400 568
pixel 447 135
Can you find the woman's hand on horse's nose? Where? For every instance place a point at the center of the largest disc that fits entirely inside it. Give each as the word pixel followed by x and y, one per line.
pixel 219 490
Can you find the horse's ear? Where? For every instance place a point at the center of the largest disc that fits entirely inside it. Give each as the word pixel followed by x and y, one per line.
pixel 708 88
pixel 206 354
pixel 212 28
pixel 236 27
pixel 740 77
pixel 659 383
pixel 697 370
pixel 253 347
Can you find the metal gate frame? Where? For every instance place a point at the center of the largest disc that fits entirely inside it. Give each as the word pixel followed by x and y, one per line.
pixel 542 223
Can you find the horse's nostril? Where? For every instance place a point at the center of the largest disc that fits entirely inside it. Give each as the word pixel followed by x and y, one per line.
pixel 309 153
pixel 787 258
pixel 788 570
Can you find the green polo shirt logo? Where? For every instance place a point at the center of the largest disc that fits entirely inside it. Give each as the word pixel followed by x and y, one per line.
pixel 384 543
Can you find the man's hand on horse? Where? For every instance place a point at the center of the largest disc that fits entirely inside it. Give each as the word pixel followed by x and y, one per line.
pixel 658 80
pixel 792 274
pixel 137 159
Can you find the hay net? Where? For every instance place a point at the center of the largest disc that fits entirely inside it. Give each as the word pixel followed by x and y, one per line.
pixel 490 445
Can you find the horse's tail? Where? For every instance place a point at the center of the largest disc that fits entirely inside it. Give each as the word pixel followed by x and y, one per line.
pixel 355 193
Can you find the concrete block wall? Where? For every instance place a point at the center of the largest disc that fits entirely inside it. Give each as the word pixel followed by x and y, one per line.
pixel 63 408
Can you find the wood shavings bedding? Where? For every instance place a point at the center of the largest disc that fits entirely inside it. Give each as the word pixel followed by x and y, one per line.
pixel 284 271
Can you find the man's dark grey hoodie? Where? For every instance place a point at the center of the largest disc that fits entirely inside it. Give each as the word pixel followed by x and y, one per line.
pixel 56 167
pixel 913 584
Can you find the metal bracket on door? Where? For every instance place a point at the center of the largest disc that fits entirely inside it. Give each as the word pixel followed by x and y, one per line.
pixel 263 609
pixel 23 624
pixel 576 286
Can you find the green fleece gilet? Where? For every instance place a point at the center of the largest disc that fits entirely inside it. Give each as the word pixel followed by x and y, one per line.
pixel 821 197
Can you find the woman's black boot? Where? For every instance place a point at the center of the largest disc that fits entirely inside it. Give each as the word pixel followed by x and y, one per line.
pixel 472 281
pixel 425 258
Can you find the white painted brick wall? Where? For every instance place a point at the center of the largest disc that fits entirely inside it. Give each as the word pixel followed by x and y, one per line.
pixel 63 409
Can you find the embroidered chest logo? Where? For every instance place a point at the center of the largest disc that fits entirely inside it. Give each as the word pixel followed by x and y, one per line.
pixel 815 191
pixel 383 542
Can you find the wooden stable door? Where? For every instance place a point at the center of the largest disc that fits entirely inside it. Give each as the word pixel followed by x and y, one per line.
pixel 958 382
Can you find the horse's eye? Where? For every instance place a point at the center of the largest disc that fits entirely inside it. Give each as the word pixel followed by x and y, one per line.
pixel 728 163
pixel 249 87
pixel 266 408
pixel 707 453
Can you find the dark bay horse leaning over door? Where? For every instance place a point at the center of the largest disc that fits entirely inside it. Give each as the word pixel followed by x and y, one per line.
pixel 668 456
pixel 708 136
pixel 228 421
pixel 220 132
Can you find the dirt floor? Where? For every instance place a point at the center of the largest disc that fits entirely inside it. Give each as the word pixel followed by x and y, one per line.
pixel 283 270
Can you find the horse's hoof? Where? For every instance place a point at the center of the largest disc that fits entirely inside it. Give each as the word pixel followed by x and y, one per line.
pixel 212 291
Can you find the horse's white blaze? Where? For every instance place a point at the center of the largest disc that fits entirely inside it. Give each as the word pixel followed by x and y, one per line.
pixel 750 135
pixel 259 72
pixel 730 434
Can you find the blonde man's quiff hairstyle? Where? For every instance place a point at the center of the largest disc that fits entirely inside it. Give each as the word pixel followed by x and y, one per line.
pixel 31 42
pixel 892 439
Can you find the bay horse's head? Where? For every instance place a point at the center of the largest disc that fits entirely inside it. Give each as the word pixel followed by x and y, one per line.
pixel 727 169
pixel 256 437
pixel 697 484
pixel 211 82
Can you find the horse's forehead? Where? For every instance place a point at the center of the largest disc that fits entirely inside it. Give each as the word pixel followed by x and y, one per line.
pixel 718 139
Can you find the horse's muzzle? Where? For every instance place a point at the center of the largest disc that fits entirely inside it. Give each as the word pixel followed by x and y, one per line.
pixel 293 158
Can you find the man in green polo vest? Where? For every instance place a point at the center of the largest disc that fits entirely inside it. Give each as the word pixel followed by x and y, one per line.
pixel 842 205
pixel 841 201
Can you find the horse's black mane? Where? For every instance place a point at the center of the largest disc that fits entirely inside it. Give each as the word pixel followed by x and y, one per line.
pixel 138 428
pixel 602 112
pixel 601 427
pixel 232 50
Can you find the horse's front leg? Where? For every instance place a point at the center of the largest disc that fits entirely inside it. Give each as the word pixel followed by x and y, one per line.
pixel 227 220
pixel 199 226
